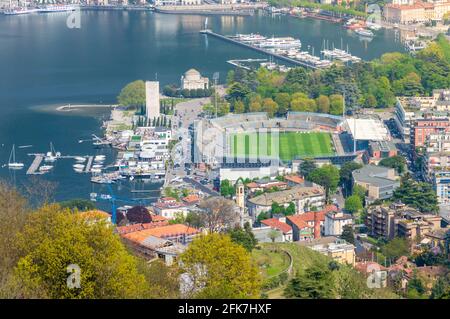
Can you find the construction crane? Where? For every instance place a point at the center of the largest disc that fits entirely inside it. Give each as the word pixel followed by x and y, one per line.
pixel 113 199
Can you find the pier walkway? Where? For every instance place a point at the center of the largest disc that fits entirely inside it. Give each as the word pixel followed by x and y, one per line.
pixel 89 164
pixel 275 55
pixel 35 165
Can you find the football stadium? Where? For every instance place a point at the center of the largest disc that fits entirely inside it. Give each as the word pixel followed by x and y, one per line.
pixel 255 135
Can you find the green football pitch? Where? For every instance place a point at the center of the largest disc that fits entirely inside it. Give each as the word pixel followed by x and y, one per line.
pixel 290 145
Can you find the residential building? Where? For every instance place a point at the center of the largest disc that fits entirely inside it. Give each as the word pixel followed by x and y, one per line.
pixel 408 109
pixel 380 182
pixel 310 225
pixel 165 242
pixel 169 207
pixel 266 184
pixel 335 222
pixel 378 273
pixel 303 197
pixel 294 180
pixel 414 11
pixel 192 80
pixel 381 149
pixel 337 249
pixel 380 221
pixel 280 225
pixel 422 128
pixel 400 220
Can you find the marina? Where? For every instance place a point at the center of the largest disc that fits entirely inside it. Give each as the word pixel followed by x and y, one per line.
pixel 286 49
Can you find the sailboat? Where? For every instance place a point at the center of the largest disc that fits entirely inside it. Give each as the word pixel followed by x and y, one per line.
pixel 52 155
pixel 12 160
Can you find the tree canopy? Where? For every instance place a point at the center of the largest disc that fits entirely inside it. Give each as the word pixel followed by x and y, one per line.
pixel 220 268
pixel 326 176
pixel 133 94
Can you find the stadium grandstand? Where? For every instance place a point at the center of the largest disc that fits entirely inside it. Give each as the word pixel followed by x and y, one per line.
pixel 255 135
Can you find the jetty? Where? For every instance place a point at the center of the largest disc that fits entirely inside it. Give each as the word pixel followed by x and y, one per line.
pixel 33 169
pixel 81 106
pixel 89 164
pixel 303 63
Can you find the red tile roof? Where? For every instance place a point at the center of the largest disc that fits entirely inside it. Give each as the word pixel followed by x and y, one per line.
pixel 298 221
pixel 190 199
pixel 294 178
pixel 301 220
pixel 161 232
pixel 275 223
pixel 139 227
pixel 363 267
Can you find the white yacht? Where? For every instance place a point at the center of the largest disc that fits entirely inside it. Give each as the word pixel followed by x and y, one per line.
pixel 364 33
pixel 285 43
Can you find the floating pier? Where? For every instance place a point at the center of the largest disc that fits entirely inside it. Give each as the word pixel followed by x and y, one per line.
pixel 260 50
pixel 89 164
pixel 33 169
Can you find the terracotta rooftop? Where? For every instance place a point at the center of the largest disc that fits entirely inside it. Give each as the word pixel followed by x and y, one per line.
pixel 363 267
pixel 276 223
pixel 161 232
pixel 138 227
pixel 190 199
pixel 294 178
pixel 301 220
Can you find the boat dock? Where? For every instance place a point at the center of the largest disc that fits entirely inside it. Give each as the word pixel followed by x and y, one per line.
pixel 89 164
pixel 260 50
pixel 33 169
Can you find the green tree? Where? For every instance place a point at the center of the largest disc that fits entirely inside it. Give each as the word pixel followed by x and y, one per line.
pixel 396 248
pixel 226 188
pixel 359 191
pixel 306 167
pixel 78 204
pixel 336 104
pixel 348 234
pixel 53 239
pixel 283 101
pixel 239 106
pixel 323 104
pixel 345 175
pixel 417 194
pixel 133 94
pixel 244 237
pixel 398 162
pixel 315 283
pixel 269 106
pixel 370 101
pixel 440 287
pixel 353 204
pixel 14 212
pixel 326 176
pixel 220 268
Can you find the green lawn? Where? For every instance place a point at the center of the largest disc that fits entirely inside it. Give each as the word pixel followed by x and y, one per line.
pixel 286 146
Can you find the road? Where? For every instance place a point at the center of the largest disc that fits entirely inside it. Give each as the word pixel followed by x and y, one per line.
pixel 200 186
pixel 184 116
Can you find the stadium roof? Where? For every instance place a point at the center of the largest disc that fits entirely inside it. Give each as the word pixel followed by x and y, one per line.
pixel 367 129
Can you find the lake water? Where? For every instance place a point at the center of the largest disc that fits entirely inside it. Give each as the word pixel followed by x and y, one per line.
pixel 44 64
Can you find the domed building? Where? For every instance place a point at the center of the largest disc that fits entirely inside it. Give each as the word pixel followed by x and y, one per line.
pixel 193 80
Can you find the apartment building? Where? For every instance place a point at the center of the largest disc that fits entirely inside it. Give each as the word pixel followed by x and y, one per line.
pixel 400 220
